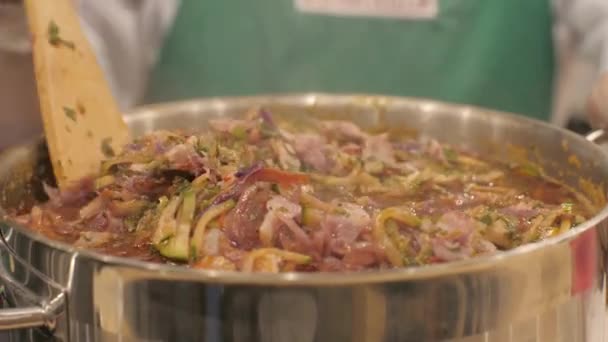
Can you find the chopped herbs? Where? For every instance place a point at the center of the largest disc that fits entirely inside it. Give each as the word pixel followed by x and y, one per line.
pixel 70 113
pixel 132 221
pixel 181 185
pixel 450 154
pixel 486 219
pixel 528 169
pixel 275 188
pixel 54 37
pixel 268 131
pixel 106 148
pixel 239 132
pixel 53 29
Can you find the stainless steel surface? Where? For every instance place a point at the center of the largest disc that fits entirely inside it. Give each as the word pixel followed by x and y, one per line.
pixel 38 313
pixel 34 309
pixel 33 317
pixel 550 291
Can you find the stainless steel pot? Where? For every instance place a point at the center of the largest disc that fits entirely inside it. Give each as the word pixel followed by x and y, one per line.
pixel 549 291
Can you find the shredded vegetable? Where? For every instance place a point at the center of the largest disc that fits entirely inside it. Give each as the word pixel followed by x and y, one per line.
pixel 201 225
pixel 265 194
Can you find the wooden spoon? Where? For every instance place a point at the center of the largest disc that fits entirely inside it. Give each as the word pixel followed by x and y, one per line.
pixel 81 119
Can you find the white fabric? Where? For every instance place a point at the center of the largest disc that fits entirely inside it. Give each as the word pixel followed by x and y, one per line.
pixel 127 35
pixel 588 22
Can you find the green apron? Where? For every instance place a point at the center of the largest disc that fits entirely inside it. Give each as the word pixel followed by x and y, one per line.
pixel 493 53
pixel 496 54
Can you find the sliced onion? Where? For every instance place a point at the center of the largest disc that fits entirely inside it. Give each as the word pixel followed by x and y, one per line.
pixel 92 208
pixel 279 209
pixel 300 235
pixel 211 245
pixel 267 229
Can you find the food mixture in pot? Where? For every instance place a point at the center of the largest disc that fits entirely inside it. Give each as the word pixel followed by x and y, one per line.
pixel 261 195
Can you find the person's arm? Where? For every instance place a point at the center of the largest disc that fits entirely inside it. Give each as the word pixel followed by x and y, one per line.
pixel 587 21
pixel 127 36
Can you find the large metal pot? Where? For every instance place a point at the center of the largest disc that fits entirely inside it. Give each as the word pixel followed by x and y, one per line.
pixel 549 291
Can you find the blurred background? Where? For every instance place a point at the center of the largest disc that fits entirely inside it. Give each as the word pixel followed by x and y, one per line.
pixel 128 36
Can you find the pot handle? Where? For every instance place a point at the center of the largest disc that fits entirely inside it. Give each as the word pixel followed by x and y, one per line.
pixel 40 312
pixel 30 317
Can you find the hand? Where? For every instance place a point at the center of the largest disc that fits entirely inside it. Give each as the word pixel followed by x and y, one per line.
pixel 598 103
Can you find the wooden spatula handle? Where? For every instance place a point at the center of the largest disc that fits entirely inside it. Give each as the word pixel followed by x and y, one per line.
pixel 81 118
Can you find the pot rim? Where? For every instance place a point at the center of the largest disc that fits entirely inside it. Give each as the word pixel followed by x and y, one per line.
pixel 476 264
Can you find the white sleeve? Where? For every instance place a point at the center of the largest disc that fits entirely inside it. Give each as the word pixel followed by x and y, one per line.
pixel 588 22
pixel 14 34
pixel 127 36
